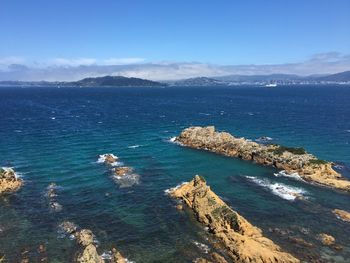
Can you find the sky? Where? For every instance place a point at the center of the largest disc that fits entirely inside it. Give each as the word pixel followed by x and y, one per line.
pixel 40 39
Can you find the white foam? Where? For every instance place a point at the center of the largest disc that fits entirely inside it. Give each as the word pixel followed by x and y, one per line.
pixel 283 173
pixel 127 180
pixel 173 140
pixel 284 191
pixel 134 146
pixel 167 191
pixel 107 255
pixel 264 139
pixel 202 247
pixel 53 118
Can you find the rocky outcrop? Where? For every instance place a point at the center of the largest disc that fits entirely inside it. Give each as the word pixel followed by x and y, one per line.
pixel 86 239
pixel 9 182
pixel 292 160
pixel 244 242
pixel 342 214
pixel 89 254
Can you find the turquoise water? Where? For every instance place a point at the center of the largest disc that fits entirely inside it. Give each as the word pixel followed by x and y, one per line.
pixel 56 135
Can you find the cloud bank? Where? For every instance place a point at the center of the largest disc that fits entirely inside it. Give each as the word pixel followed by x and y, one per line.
pixel 64 69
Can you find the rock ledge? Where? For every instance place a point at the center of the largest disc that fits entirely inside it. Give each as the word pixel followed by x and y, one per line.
pixel 244 242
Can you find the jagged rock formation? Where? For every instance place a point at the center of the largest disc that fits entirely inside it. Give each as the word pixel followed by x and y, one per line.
pixel 85 238
pixel 342 214
pixel 292 160
pixel 9 182
pixel 244 242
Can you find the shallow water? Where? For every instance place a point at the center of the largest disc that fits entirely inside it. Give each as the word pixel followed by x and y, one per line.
pixel 56 135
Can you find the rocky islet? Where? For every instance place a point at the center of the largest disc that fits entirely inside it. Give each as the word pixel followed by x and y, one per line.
pixel 291 160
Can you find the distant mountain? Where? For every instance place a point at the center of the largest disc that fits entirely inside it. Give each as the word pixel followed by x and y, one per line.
pixel 338 77
pixel 115 81
pixel 119 81
pixel 200 81
pixel 259 78
pixel 106 81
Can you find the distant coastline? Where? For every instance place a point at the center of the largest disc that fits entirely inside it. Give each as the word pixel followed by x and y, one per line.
pixel 272 80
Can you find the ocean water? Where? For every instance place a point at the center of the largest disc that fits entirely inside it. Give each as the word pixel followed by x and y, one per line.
pixel 56 135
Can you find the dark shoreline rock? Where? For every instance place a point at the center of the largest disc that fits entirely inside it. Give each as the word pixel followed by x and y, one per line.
pixel 243 242
pixel 292 160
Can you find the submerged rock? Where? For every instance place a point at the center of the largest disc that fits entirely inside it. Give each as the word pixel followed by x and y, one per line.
pixel 326 240
pixel 342 214
pixel 292 160
pixel 123 170
pixel 244 242
pixel 68 227
pixel 9 182
pixel 51 195
pixel 86 240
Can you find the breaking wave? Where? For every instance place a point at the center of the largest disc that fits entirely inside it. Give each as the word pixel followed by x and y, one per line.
pixel 167 191
pixel 286 192
pixel 283 173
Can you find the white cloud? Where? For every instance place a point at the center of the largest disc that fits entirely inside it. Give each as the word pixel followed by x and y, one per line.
pixel 6 61
pixel 72 62
pixel 121 61
pixel 64 69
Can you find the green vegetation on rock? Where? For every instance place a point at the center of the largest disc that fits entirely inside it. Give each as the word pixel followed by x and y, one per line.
pixel 318 161
pixel 227 214
pixel 295 150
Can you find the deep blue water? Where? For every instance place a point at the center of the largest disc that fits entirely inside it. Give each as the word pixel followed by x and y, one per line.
pixel 55 135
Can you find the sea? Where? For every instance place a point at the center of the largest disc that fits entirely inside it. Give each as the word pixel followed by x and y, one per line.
pixel 56 135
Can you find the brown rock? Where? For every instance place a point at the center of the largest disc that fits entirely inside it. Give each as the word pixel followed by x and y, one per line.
pixel 217 258
pixel 244 242
pixel 89 255
pixel 179 207
pixel 85 237
pixel 117 257
pixel 9 181
pixel 292 160
pixel 110 158
pixel 41 248
pixel 342 214
pixel 326 240
pixel 121 171
pixel 68 227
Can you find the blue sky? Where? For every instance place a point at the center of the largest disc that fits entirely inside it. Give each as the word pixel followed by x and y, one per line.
pixel 225 32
